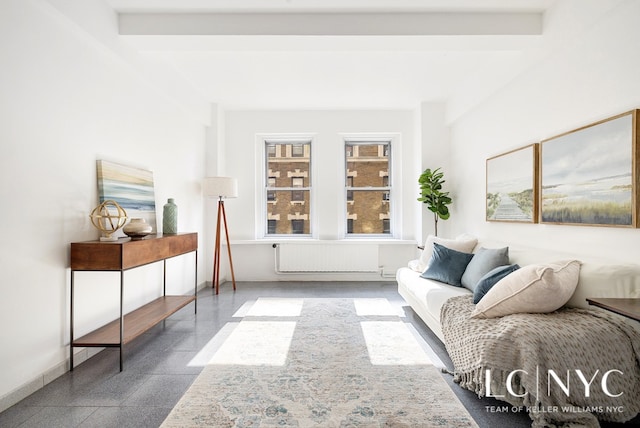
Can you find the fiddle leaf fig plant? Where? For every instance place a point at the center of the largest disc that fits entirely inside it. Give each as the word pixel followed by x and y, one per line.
pixel 432 195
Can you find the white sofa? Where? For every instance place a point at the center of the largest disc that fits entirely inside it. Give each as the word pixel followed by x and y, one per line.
pixel 598 278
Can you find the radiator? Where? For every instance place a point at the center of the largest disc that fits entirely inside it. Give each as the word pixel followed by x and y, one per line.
pixel 326 257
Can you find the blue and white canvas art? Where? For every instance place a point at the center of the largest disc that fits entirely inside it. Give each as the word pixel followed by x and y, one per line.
pixel 587 175
pixel 130 187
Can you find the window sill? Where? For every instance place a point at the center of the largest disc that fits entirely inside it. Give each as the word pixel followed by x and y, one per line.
pixel 313 241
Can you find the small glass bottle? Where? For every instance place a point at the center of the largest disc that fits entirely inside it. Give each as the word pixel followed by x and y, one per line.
pixel 170 218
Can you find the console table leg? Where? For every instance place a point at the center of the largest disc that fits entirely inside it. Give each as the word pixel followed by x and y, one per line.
pixel 195 288
pixel 71 325
pixel 121 317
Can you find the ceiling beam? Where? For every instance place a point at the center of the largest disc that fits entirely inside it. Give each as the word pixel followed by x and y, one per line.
pixel 331 24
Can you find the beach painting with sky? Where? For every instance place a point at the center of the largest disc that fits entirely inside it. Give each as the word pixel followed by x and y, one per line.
pixel 131 187
pixel 587 175
pixel 511 186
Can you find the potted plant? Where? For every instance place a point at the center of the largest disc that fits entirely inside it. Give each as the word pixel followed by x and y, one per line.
pixel 432 195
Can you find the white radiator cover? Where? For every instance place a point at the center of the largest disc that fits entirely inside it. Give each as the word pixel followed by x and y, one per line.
pixel 327 257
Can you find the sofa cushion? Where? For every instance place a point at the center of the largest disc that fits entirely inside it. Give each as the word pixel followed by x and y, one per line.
pixel 490 279
pixel 447 265
pixel 426 297
pixel 464 243
pixel 484 260
pixel 531 289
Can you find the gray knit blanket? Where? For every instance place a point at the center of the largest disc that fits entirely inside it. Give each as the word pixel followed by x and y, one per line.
pixel 569 368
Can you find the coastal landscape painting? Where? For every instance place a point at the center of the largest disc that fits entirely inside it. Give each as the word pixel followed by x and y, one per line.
pixel 132 188
pixel 511 186
pixel 587 175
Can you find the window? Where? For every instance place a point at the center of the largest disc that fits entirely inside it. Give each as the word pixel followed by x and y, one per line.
pixel 297 195
pixel 297 227
pixel 385 183
pixel 349 192
pixel 349 151
pixel 287 184
pixel 368 187
pixel 297 150
pixel 271 195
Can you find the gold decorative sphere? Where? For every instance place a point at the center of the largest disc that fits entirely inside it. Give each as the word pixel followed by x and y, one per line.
pixel 108 217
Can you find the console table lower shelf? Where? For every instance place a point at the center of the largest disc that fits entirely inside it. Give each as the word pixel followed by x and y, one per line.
pixel 135 323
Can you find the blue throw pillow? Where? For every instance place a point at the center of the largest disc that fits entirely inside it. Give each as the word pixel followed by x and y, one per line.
pixel 483 262
pixel 490 279
pixel 447 265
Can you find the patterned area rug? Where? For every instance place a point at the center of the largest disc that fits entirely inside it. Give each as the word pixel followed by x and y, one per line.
pixel 320 363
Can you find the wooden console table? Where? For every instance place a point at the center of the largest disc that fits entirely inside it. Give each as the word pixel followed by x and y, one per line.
pixel 121 256
pixel 628 307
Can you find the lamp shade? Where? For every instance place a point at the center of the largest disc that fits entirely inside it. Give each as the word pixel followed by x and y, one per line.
pixel 222 187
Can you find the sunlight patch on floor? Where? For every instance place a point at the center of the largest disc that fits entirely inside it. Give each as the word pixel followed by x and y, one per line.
pixel 203 356
pixel 271 307
pixel 256 343
pixel 392 343
pixel 244 309
pixel 375 306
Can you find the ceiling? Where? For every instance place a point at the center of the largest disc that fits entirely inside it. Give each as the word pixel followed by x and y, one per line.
pixel 335 54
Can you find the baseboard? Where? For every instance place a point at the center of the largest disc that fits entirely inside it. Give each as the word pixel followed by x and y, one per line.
pixel 80 355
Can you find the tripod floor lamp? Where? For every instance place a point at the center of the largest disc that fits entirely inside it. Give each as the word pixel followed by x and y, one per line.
pixel 221 188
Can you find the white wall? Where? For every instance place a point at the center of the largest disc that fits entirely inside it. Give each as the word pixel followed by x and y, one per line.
pixel 65 102
pixel 255 260
pixel 436 153
pixel 580 81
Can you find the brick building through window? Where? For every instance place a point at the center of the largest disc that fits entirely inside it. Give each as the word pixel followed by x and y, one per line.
pixel 368 187
pixel 288 187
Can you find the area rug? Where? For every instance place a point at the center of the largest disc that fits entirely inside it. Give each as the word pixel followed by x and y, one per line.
pixel 320 363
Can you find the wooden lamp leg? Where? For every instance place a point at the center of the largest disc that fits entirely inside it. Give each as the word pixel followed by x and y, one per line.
pixel 226 231
pixel 216 256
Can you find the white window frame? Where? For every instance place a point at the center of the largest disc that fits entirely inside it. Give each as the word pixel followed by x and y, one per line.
pixel 261 226
pixel 395 180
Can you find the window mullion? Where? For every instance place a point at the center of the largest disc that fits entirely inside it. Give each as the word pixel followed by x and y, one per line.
pixel 366 188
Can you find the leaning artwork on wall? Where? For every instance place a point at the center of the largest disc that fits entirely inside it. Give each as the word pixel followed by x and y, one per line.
pixel 589 175
pixel 130 187
pixel 511 186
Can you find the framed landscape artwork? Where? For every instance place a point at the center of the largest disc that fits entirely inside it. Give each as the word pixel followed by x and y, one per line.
pixel 589 175
pixel 511 186
pixel 132 188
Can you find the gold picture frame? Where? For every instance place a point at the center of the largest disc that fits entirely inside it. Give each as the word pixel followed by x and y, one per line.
pixel 589 176
pixel 511 186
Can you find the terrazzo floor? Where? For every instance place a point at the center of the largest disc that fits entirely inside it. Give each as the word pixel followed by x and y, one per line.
pixel 159 366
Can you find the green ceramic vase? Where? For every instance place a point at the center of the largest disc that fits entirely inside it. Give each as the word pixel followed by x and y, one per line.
pixel 170 218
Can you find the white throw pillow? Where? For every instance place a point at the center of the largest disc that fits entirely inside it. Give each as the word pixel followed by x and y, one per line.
pixel 463 243
pixel 531 289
